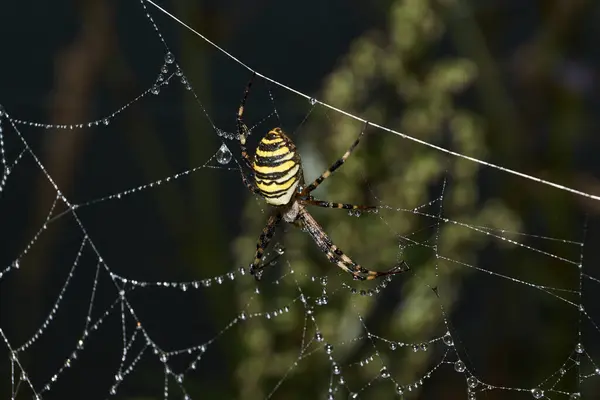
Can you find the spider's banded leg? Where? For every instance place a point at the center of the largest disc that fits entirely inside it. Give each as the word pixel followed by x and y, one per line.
pixel 335 165
pixel 248 184
pixel 329 204
pixel 337 256
pixel 241 126
pixel 263 242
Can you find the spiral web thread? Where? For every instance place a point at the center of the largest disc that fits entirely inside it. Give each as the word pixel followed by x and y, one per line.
pixel 450 355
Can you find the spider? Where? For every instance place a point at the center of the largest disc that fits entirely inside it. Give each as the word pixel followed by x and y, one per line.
pixel 278 178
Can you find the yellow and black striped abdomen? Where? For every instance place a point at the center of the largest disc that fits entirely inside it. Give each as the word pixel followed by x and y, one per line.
pixel 277 168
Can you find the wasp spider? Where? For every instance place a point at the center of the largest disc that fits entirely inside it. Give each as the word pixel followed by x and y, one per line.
pixel 278 178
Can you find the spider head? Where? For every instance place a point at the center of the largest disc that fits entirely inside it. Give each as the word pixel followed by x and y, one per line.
pixel 277 168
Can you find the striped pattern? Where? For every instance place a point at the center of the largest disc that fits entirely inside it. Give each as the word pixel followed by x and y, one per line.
pixel 337 256
pixel 277 168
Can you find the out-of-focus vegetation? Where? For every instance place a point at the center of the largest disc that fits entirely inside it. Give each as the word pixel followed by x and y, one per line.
pixel 389 74
pixel 510 82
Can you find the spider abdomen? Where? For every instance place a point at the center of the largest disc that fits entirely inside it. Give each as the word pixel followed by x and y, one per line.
pixel 277 168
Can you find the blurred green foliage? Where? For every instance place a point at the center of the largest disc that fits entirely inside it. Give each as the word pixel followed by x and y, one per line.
pixel 386 77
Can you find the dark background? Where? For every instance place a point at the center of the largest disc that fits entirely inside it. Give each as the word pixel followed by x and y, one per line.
pixel 511 82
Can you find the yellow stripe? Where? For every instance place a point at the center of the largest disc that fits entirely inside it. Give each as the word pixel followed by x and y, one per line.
pixel 285 177
pixel 278 152
pixel 275 187
pixel 276 140
pixel 270 170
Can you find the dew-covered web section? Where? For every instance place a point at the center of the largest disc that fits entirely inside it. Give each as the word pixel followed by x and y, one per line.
pixel 356 362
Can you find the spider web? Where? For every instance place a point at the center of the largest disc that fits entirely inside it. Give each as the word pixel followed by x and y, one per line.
pixel 119 313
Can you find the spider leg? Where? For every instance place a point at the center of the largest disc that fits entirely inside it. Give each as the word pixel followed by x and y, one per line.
pixel 263 241
pixel 329 204
pixel 337 256
pixel 248 184
pixel 241 126
pixel 334 166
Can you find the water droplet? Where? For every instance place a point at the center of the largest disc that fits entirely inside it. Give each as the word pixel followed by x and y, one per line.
pixel 163 357
pixel 459 366
pixel 169 58
pixel 178 71
pixel 393 346
pixel 384 373
pixel 224 154
pixel 106 121
pixel 319 336
pixel 313 101
pixel 324 281
pixel 579 348
pixel 575 396
pixel 278 248
pixel 328 348
pixel 353 395
pixel 399 389
pixel 423 347
pixel 336 369
pixel 472 382
pixel 155 89
pixel 16 264
pixel 113 390
pixel 537 393
pixel 180 378
pixel 164 69
pixel 471 396
pixel 448 341
pixel 118 377
pixel 2 111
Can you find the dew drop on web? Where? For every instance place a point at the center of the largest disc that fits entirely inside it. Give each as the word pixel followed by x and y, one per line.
pixel 224 154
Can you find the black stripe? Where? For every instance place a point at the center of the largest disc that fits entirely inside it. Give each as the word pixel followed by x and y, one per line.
pixel 271 146
pixel 271 161
pixel 271 176
pixel 270 195
pixel 276 183
pixel 273 134
pixel 337 164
